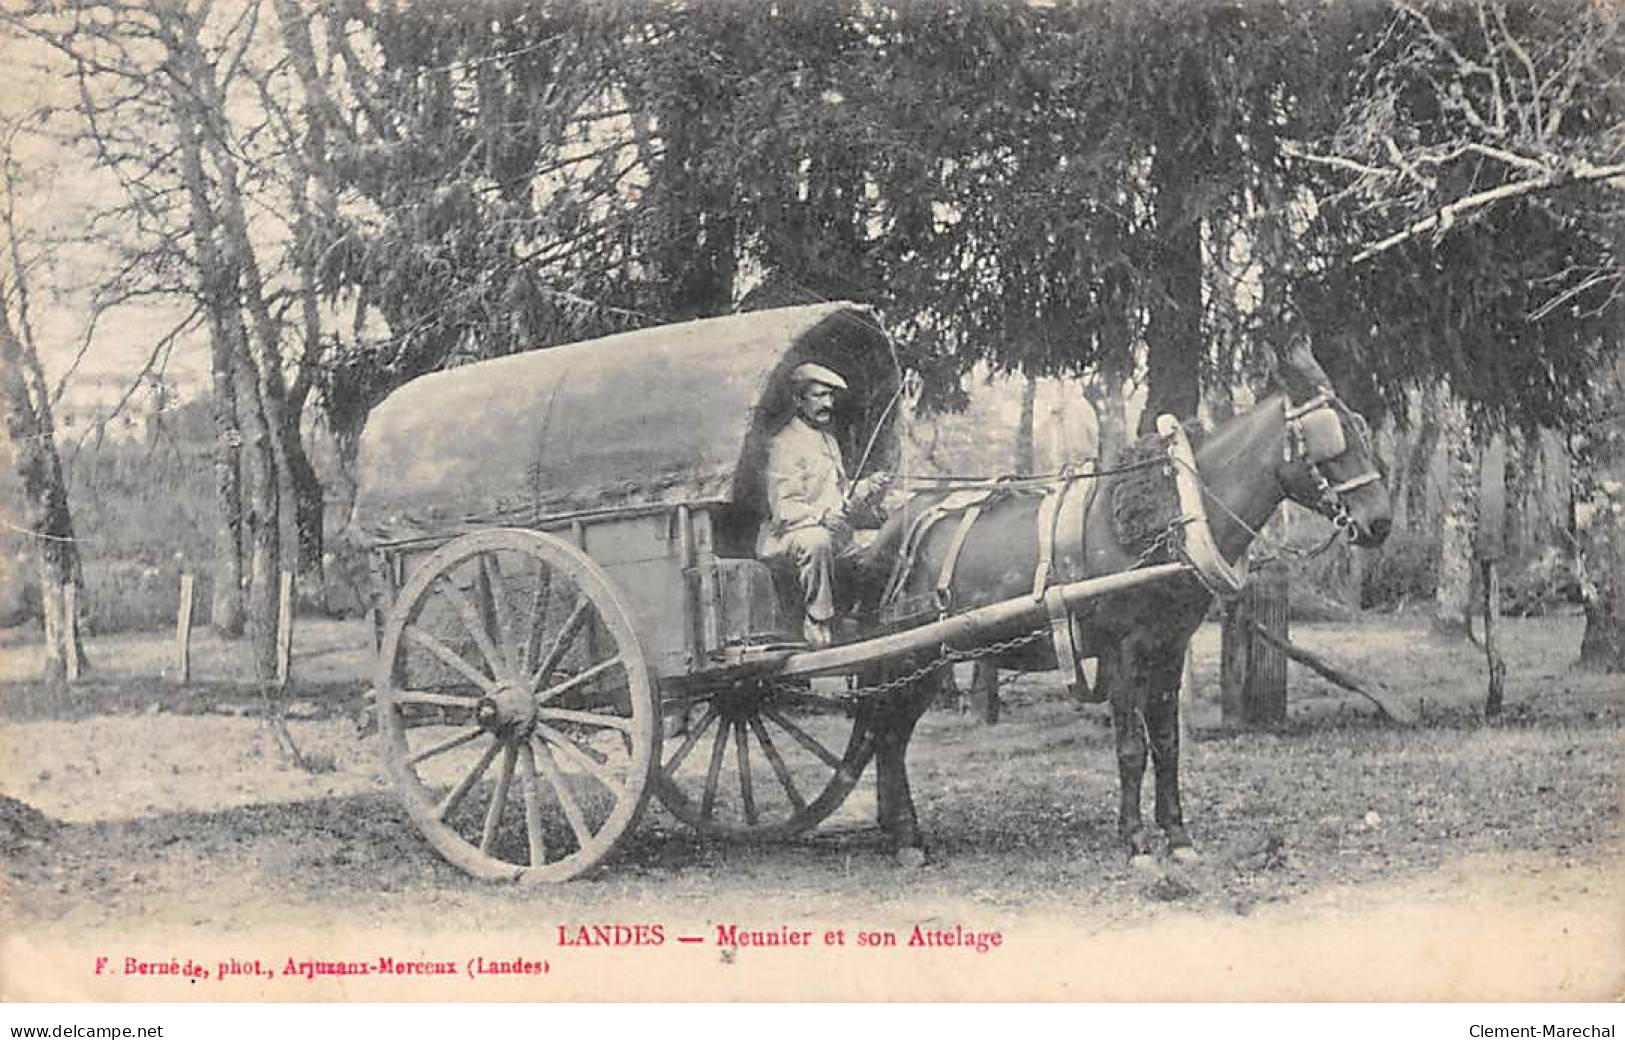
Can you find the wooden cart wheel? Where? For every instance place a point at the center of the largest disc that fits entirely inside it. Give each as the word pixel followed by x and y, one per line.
pixel 519 718
pixel 754 763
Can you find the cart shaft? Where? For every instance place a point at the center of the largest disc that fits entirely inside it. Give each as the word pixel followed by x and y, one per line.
pixel 963 629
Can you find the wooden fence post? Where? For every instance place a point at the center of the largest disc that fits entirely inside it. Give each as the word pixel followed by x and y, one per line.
pixel 1252 673
pixel 183 633
pixel 284 628
pixel 1235 659
pixel 985 690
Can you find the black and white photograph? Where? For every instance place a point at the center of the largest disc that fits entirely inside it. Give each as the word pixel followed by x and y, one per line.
pixel 516 501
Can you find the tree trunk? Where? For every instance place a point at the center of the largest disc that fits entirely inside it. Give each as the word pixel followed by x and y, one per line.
pixel 233 286
pixel 307 501
pixel 226 602
pixel 1453 604
pixel 1602 534
pixel 1495 698
pixel 1522 477
pixel 1174 335
pixel 1105 396
pixel 1418 468
pixel 1026 451
pixel 263 522
pixel 26 409
pixel 217 284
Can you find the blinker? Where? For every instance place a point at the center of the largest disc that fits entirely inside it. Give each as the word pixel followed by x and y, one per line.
pixel 1322 433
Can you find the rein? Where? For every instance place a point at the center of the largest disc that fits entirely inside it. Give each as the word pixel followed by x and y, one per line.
pixel 968 481
pixel 1279 548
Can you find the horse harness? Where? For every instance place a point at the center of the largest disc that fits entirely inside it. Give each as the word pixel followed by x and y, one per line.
pixel 1063 505
pixel 1314 434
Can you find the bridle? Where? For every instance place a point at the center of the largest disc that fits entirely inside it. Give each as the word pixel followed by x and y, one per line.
pixel 1314 434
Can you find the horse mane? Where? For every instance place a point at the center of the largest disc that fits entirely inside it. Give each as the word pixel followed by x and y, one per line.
pixel 1144 499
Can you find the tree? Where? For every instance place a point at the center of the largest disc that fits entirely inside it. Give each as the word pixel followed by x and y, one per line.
pixel 1602 531
pixel 1453 601
pixel 25 406
pixel 1474 212
pixel 162 94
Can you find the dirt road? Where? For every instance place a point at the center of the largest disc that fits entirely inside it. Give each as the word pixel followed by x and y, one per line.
pixel 1344 858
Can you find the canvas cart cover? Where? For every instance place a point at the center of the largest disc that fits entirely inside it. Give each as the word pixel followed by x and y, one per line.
pixel 655 417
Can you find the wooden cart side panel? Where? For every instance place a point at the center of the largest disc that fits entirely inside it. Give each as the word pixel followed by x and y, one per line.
pixel 686 601
pixel 643 555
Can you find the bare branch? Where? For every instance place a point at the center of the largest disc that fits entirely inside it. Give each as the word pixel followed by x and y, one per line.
pixel 159 354
pixel 1580 173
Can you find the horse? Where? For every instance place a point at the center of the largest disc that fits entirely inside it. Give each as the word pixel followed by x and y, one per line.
pixel 1301 443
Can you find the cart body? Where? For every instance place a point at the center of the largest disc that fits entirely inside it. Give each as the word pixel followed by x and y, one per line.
pixel 643 449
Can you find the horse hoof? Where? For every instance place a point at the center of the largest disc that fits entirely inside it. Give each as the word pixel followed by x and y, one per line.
pixel 911 857
pixel 1145 863
pixel 1185 854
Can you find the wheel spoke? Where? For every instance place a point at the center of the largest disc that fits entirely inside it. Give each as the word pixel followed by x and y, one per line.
pixel 561 644
pixel 803 738
pixel 719 745
pixel 777 762
pixel 561 787
pixel 499 798
pixel 693 738
pixel 475 624
pixel 445 745
pixel 538 614
pixel 587 718
pixel 582 758
pixel 450 658
pixel 747 794
pixel 578 679
pixel 445 700
pixel 531 786
pixel 455 796
pixel 501 619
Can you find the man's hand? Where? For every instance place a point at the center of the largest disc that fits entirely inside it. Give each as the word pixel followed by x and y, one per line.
pixel 835 522
pixel 871 487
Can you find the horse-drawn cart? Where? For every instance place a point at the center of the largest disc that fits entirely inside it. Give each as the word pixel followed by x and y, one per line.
pixel 571 616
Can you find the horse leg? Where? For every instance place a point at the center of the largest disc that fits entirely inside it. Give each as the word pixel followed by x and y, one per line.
pixel 898 820
pixel 1125 678
pixel 1162 723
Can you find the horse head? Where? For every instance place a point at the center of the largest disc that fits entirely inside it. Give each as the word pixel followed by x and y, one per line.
pixel 1330 462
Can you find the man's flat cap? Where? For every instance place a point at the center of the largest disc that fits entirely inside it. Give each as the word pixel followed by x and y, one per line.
pixel 811 373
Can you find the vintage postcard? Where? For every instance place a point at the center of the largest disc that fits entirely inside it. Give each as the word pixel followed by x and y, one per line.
pixel 811 502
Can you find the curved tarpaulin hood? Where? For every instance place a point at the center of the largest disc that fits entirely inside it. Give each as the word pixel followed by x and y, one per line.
pixel 659 416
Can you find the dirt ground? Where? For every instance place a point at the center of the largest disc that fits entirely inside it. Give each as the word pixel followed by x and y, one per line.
pixel 1344 857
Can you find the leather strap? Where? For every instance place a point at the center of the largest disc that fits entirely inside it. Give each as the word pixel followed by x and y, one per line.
pixel 1076 498
pixel 1047 510
pixel 1060 633
pixel 945 576
pixel 919 528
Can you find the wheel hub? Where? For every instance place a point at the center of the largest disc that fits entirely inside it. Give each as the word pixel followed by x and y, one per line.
pixel 511 710
pixel 739 701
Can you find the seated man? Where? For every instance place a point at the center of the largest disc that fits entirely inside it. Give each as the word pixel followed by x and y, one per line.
pixel 812 508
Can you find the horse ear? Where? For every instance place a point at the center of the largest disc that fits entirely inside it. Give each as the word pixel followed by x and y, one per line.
pixel 1298 371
